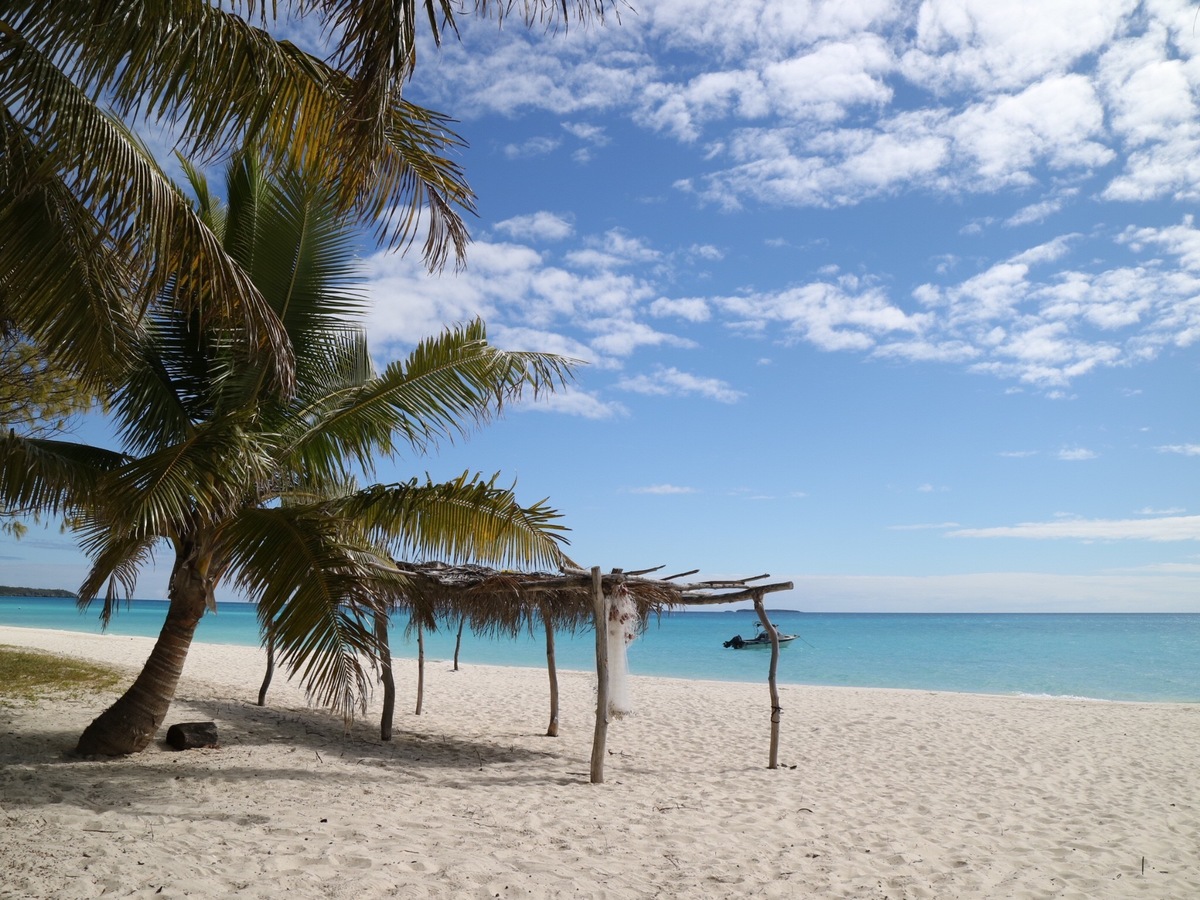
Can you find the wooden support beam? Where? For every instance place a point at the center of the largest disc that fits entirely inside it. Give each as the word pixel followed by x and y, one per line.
pixel 266 682
pixel 637 572
pixel 776 710
pixel 552 668
pixel 600 736
pixel 691 593
pixel 462 621
pixel 679 574
pixel 420 668
pixel 386 676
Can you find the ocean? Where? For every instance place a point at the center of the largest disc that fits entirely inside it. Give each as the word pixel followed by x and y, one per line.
pixel 1152 657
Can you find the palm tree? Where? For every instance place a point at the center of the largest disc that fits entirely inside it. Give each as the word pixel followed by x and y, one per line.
pixel 92 236
pixel 257 489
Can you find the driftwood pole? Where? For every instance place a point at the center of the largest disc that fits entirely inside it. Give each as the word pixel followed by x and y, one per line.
pixel 385 675
pixel 266 682
pixel 420 667
pixel 552 668
pixel 776 710
pixel 458 640
pixel 600 738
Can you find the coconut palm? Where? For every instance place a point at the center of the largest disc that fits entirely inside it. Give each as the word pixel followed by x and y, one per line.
pixel 258 490
pixel 91 234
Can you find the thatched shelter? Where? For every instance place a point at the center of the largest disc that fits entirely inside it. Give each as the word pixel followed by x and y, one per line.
pixel 507 603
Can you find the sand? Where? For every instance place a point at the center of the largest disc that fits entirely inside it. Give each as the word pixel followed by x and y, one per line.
pixel 881 793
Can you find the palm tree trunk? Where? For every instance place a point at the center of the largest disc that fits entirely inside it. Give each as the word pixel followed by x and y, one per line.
pixel 131 723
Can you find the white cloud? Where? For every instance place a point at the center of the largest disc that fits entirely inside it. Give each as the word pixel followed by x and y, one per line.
pixel 1166 568
pixel 510 337
pixel 984 45
pixel 1076 454
pixel 546 226
pixel 825 91
pixel 1042 317
pixel 1152 591
pixel 670 382
pixel 612 250
pixel 622 336
pixel 1150 94
pixel 511 286
pixel 629 248
pixel 1038 212
pixel 1183 449
pixel 1182 241
pixel 1034 318
pixel 573 402
pixel 593 134
pixel 1167 528
pixel 706 252
pixel 826 82
pixel 509 70
pixel 535 146
pixel 1150 91
pixel 663 489
pixel 692 309
pixel 594 259
pixel 848 315
pixel 408 305
pixel 1053 122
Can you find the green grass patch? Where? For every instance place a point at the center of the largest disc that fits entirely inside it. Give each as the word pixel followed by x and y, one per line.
pixel 30 674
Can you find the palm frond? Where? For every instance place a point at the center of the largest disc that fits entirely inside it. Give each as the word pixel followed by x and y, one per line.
pixel 467 519
pixel 116 560
pixel 225 83
pixel 304 257
pixel 48 476
pixel 315 592
pixel 146 220
pixel 60 278
pixel 202 479
pixel 168 385
pixel 450 383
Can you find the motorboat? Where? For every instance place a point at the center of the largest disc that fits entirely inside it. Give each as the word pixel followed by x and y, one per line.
pixel 760 639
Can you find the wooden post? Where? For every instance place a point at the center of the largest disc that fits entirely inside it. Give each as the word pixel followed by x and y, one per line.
pixel 458 641
pixel 600 737
pixel 776 710
pixel 420 667
pixel 385 675
pixel 552 668
pixel 266 682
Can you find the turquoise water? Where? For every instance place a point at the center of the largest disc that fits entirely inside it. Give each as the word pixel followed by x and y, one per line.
pixel 1108 657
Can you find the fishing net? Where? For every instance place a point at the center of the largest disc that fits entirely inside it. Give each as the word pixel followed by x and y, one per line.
pixel 622 629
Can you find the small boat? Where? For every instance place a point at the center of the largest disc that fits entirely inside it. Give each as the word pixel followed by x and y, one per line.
pixel 760 639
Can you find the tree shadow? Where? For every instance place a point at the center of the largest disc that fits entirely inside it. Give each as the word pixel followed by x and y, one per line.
pixel 38 768
pixel 245 724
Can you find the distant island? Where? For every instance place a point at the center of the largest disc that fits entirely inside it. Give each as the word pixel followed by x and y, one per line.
pixel 7 591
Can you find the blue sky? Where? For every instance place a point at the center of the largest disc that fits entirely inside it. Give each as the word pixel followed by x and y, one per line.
pixel 897 301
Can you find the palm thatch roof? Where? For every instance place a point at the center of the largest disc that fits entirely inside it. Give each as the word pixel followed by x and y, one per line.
pixel 506 602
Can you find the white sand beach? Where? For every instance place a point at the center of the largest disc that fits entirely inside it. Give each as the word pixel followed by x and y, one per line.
pixel 896 794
